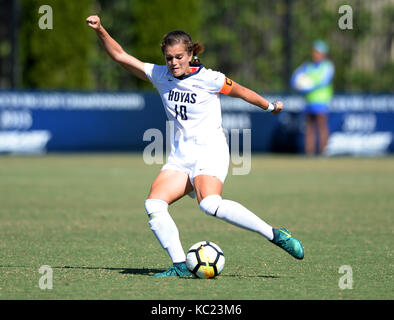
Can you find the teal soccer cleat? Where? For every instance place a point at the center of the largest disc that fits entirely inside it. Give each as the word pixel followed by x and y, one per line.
pixel 284 239
pixel 177 270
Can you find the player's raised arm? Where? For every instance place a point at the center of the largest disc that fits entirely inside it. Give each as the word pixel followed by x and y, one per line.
pixel 115 51
pixel 238 91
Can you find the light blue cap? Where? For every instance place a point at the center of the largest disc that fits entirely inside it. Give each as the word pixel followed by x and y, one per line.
pixel 321 46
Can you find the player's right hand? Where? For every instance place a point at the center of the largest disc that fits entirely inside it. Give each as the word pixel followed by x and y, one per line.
pixel 93 22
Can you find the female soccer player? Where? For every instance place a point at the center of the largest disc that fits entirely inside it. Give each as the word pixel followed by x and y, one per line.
pixel 199 156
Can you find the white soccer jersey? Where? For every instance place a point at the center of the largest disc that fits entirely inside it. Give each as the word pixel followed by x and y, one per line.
pixel 192 103
pixel 198 143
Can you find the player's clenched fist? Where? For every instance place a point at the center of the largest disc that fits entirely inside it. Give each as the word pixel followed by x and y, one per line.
pixel 93 22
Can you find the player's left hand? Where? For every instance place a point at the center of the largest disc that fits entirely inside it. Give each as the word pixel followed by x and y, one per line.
pixel 278 107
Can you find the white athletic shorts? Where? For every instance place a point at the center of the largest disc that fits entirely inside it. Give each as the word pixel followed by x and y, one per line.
pixel 200 156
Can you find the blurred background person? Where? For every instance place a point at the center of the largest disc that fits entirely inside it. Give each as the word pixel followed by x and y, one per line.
pixel 314 79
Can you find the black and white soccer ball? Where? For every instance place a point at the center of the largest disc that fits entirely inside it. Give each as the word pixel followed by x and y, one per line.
pixel 205 259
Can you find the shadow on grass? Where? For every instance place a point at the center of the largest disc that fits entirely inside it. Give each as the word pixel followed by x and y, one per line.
pixel 250 276
pixel 142 271
pixel 149 272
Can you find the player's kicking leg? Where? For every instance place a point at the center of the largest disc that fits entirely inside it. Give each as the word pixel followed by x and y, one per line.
pixel 212 204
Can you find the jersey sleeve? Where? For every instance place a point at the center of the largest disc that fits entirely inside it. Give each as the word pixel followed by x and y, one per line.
pixel 214 81
pixel 154 72
pixel 149 70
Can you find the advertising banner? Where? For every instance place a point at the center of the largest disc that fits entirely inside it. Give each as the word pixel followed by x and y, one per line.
pixel 39 122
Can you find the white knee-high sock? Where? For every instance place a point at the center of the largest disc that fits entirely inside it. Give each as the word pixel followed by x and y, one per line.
pixel 165 229
pixel 236 214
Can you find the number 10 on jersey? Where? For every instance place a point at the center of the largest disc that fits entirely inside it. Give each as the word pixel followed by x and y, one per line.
pixel 180 111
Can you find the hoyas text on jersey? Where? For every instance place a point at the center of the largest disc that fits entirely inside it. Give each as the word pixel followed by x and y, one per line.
pixel 183 97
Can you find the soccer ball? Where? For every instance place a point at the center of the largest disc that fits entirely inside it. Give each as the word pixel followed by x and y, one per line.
pixel 205 260
pixel 303 82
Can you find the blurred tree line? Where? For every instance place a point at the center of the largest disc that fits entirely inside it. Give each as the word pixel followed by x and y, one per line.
pixel 255 42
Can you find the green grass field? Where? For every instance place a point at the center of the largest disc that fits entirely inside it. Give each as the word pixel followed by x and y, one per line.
pixel 83 215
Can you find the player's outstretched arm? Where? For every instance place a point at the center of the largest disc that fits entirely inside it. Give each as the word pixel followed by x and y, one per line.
pixel 239 91
pixel 115 51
